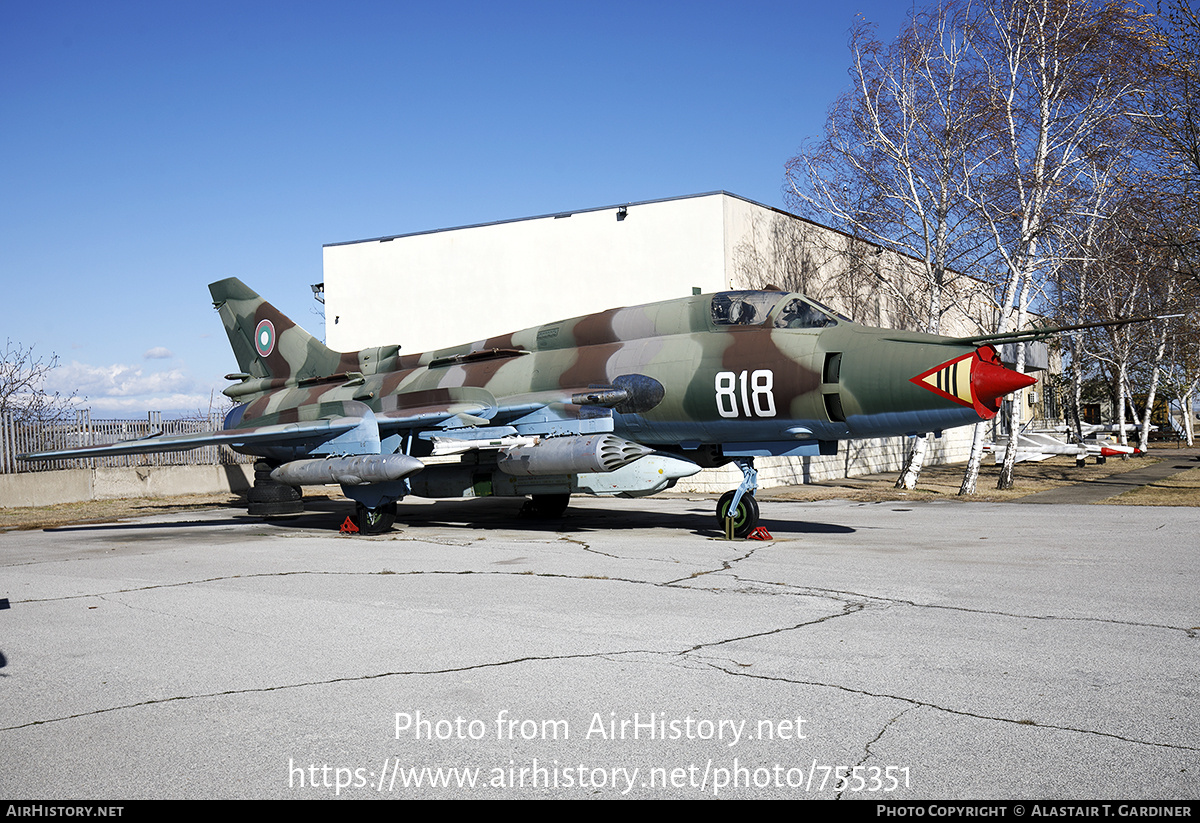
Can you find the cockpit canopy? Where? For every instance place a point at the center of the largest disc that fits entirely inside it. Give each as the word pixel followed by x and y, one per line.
pixel 777 309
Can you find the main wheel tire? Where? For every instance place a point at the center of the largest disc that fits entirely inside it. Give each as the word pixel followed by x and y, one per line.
pixel 745 519
pixel 375 521
pixel 546 506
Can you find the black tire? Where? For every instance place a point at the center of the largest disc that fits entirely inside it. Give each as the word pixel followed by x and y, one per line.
pixel 546 506
pixel 270 498
pixel 745 519
pixel 375 521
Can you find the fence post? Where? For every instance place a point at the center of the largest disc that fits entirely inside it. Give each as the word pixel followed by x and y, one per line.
pixel 5 443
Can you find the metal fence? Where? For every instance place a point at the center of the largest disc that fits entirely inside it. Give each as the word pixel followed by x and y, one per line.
pixel 25 437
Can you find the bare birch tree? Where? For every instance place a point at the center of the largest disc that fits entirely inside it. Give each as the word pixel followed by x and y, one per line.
pixel 1062 72
pixel 1169 118
pixel 896 158
pixel 1181 369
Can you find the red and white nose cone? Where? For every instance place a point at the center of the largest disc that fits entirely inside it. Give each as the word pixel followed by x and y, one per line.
pixel 977 380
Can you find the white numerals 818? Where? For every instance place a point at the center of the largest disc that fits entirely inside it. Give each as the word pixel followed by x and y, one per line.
pixel 755 393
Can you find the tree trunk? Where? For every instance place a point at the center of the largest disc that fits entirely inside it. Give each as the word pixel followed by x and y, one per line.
pixel 1122 437
pixel 1189 425
pixel 1018 403
pixel 1144 441
pixel 912 466
pixel 971 475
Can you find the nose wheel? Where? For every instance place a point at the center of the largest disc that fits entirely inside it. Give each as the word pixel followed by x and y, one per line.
pixel 737 510
pixel 740 521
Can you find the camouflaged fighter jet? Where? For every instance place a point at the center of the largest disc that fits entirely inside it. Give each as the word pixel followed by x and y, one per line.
pixel 624 402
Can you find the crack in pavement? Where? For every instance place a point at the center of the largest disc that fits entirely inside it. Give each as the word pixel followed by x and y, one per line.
pixel 388 572
pixel 1191 632
pixel 384 572
pixel 867 749
pixel 606 655
pixel 847 609
pixel 587 548
pixel 609 655
pixel 189 619
pixel 959 712
pixel 726 565
pixel 852 603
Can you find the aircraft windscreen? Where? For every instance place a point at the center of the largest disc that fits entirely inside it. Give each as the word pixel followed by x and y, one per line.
pixel 801 314
pixel 742 308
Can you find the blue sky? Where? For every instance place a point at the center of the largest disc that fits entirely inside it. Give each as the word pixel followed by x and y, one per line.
pixel 148 149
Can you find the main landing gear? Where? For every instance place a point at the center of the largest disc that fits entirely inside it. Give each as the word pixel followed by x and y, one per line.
pixel 375 509
pixel 545 506
pixel 375 521
pixel 737 510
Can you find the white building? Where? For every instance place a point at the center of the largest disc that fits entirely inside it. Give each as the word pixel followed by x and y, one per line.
pixel 440 288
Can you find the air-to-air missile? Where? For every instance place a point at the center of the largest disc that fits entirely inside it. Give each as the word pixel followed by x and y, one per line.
pixel 624 402
pixel 1040 445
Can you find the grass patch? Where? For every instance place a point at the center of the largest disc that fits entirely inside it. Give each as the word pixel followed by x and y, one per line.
pixel 943 482
pixel 1182 489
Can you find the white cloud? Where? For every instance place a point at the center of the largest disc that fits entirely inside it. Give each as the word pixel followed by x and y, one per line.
pixel 172 406
pixel 158 353
pixel 120 390
pixel 119 380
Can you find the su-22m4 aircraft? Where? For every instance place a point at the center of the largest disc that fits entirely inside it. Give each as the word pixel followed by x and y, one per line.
pixel 624 402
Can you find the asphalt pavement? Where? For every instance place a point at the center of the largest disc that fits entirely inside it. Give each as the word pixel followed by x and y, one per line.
pixel 891 651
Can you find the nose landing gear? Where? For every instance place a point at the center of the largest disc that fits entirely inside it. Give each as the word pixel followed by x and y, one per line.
pixel 737 510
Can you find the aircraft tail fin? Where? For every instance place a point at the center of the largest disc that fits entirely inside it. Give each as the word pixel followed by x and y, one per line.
pixel 266 342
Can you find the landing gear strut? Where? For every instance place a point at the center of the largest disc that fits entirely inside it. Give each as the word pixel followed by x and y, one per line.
pixel 737 510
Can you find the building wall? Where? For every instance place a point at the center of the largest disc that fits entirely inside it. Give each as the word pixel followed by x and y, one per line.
pixel 444 288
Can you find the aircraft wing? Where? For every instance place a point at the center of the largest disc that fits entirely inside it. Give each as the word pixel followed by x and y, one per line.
pixel 433 408
pixel 445 410
pixel 280 433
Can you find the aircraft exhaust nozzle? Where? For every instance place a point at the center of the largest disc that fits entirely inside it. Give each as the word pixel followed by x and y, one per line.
pixel 356 470
pixel 571 455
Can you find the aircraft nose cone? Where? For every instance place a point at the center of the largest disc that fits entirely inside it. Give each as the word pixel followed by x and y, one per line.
pixel 976 380
pixel 990 381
